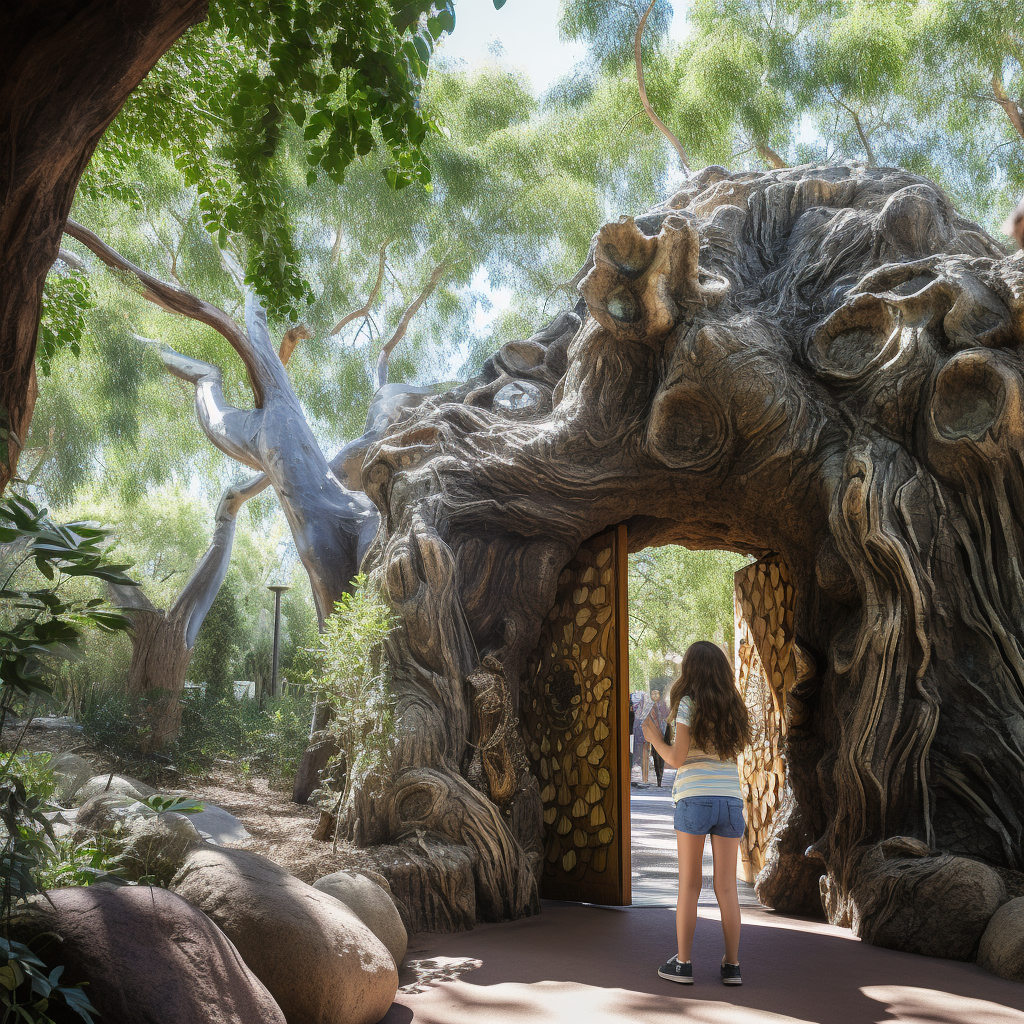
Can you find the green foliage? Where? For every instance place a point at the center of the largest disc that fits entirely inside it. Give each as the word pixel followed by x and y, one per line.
pixel 33 768
pixel 906 83
pixel 352 683
pixel 327 82
pixel 26 985
pixel 78 861
pixel 172 804
pixel 66 297
pixel 216 648
pixel 269 740
pixel 37 616
pixel 677 596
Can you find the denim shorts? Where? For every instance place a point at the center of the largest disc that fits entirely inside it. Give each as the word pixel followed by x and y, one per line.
pixel 718 815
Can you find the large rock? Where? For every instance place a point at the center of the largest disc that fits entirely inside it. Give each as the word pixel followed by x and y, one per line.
pixel 149 958
pixel 71 773
pixel 155 848
pixel 1001 950
pixel 370 900
pixel 144 845
pixel 319 961
pixel 118 785
pixel 218 825
pixel 935 905
pixel 107 813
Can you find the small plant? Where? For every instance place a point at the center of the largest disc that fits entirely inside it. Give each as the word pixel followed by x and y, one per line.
pixel 21 968
pixel 80 861
pixel 352 683
pixel 172 804
pixel 41 618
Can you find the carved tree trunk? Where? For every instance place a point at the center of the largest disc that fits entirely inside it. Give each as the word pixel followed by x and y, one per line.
pixel 821 364
pixel 65 71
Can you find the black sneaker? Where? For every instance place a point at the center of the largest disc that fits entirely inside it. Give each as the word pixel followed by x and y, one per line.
pixel 675 971
pixel 731 974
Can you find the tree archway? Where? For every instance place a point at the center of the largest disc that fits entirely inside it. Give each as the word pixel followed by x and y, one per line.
pixel 821 363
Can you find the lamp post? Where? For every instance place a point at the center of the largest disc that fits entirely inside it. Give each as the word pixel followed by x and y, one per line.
pixel 278 589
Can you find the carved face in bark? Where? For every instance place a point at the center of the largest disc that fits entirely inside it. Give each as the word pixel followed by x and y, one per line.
pixel 819 362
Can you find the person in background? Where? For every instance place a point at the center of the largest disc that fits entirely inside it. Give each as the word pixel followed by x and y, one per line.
pixel 711 728
pixel 652 708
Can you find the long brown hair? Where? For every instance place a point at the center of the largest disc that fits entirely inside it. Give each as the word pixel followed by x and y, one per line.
pixel 719 722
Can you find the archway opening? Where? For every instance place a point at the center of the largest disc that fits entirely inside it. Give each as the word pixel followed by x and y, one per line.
pixel 676 596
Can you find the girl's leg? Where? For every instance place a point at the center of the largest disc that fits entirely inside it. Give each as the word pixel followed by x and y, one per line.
pixel 725 852
pixel 691 857
pixel 645 761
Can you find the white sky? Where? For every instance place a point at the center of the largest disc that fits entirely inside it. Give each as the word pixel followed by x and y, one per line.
pixel 528 32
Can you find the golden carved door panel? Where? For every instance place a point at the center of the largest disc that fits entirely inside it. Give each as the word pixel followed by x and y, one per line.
pixel 766 670
pixel 576 727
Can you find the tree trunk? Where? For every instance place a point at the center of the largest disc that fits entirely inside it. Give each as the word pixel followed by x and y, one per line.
pixel 66 70
pixel 162 642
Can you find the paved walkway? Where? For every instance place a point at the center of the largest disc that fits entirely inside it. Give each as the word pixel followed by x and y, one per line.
pixel 581 964
pixel 655 861
pixel 578 964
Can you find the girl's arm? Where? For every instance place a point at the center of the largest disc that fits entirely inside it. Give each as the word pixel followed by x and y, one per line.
pixel 673 755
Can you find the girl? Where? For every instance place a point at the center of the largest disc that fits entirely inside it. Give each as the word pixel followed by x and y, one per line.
pixel 711 730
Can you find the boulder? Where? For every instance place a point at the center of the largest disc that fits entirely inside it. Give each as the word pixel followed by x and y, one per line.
pixel 148 956
pixel 1001 949
pixel 935 905
pixel 71 773
pixel 316 957
pixel 369 898
pixel 144 845
pixel 108 813
pixel 218 825
pixel 155 847
pixel 118 785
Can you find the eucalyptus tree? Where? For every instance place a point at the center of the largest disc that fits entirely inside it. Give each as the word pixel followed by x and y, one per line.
pixel 338 71
pixel 936 88
pixel 386 269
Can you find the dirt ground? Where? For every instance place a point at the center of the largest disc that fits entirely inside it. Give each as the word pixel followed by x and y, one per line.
pixel 281 830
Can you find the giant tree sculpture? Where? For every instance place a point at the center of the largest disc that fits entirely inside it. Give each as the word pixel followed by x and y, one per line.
pixel 821 363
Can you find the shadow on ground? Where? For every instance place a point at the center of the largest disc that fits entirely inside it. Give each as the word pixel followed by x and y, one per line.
pixel 598 965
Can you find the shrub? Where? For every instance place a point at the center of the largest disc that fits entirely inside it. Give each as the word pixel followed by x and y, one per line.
pixel 352 683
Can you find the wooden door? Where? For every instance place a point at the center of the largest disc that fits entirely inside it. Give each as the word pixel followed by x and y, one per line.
pixel 575 716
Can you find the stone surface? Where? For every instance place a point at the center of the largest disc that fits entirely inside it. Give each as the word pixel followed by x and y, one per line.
pixel 149 958
pixel 55 724
pixel 320 962
pixel 1001 949
pixel 218 825
pixel 370 900
pixel 71 772
pixel 155 847
pixel 119 785
pixel 144 845
pixel 108 812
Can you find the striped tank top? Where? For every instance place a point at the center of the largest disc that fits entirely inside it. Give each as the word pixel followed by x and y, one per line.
pixel 703 773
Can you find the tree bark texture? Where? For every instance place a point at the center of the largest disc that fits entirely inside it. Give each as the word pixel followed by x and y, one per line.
pixel 162 642
pixel 65 70
pixel 819 364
